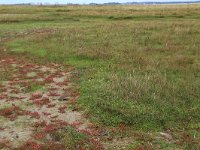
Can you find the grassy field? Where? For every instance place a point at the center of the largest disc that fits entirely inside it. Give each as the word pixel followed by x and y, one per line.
pixel 137 66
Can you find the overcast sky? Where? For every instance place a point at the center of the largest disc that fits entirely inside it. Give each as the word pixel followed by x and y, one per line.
pixel 75 1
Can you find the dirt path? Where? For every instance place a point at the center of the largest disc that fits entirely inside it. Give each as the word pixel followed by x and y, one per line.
pixel 34 104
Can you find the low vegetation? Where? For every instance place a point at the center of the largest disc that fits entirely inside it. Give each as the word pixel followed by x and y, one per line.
pixel 136 65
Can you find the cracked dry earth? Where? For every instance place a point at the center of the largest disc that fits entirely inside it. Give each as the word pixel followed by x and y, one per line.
pixel 34 103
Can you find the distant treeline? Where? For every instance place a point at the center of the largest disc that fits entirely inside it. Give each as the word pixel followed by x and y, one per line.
pixel 116 3
pixel 148 3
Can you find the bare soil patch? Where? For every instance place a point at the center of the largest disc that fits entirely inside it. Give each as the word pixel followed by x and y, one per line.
pixel 34 103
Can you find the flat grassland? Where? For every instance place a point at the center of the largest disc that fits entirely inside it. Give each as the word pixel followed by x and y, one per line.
pixel 137 67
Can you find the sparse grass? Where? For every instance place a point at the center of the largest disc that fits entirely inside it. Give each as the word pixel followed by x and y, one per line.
pixel 138 65
pixel 73 139
pixel 4 76
pixel 34 87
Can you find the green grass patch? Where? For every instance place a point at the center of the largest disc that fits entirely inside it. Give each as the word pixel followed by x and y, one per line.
pixel 140 67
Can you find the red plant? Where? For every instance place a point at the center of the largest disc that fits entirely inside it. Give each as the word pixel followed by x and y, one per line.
pixel 42 102
pixel 89 132
pixel 72 93
pixel 61 123
pixel 3 96
pixel 46 114
pixel 50 128
pixel 56 146
pixel 12 112
pixel 40 124
pixel 39 136
pixel 97 144
pixel 122 127
pixel 62 109
pixel 3 89
pixel 51 105
pixel 48 80
pixel 34 114
pixel 5 144
pixel 36 96
pixel 53 94
pixel 30 145
pixel 15 91
pixel 1 129
pixel 75 124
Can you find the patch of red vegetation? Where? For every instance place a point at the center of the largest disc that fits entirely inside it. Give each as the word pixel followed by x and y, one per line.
pixel 3 96
pixel 40 124
pixel 61 123
pixel 36 96
pixel 62 109
pixel 4 144
pixel 89 132
pixel 72 101
pixel 42 102
pixel 72 93
pixel 122 127
pixel 12 82
pixel 39 136
pixel 50 128
pixel 40 74
pixel 48 80
pixel 42 128
pixel 3 89
pixel 46 114
pixel 96 144
pixel 190 141
pixel 51 105
pixel 53 94
pixel 33 114
pixel 76 124
pixel 56 146
pixel 75 94
pixel 1 129
pixel 15 91
pixel 31 145
pixel 23 71
pixel 12 112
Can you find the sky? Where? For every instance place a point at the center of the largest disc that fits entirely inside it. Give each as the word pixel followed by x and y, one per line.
pixel 75 1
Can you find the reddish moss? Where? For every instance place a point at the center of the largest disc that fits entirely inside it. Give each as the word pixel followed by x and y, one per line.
pixel 39 136
pixel 89 132
pixel 56 146
pixel 35 96
pixel 31 145
pixel 53 94
pixel 48 80
pixel 51 105
pixel 5 144
pixel 62 109
pixel 46 114
pixel 40 124
pixel 33 114
pixel 41 102
pixel 50 128
pixel 12 112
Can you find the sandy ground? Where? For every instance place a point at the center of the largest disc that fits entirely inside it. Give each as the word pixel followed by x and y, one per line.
pixel 34 101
